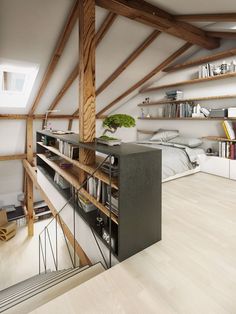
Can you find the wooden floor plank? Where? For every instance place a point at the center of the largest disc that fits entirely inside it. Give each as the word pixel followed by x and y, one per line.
pixel 191 271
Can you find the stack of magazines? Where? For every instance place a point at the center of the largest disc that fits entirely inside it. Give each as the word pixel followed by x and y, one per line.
pixel 174 94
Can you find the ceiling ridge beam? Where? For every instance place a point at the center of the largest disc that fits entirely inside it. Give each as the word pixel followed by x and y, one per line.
pixel 146 78
pixel 108 21
pixel 61 43
pixel 202 60
pixel 224 35
pixel 131 58
pixel 214 17
pixel 146 13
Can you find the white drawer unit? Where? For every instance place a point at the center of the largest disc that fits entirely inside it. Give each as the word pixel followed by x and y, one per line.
pixel 216 165
pixel 232 169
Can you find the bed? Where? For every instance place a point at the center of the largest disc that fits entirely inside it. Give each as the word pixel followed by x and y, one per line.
pixel 177 160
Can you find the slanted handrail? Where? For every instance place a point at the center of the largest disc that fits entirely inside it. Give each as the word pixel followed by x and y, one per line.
pixel 57 218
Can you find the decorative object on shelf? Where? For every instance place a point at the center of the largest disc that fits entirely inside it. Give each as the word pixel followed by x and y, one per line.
pixel 146 101
pixel 205 111
pixel 111 124
pixel 142 113
pixel 231 112
pixel 46 125
pixel 218 113
pixel 197 112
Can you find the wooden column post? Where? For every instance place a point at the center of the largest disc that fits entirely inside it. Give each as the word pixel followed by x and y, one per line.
pixel 87 114
pixel 30 187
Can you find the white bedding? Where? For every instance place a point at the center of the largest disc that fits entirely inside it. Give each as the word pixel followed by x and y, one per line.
pixel 175 158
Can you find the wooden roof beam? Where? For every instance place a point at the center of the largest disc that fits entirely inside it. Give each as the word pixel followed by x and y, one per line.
pixel 134 55
pixel 191 63
pixel 108 21
pixel 155 71
pixel 146 13
pixel 224 35
pixel 61 43
pixel 218 17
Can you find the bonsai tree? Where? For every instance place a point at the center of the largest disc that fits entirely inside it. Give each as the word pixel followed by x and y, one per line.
pixel 113 122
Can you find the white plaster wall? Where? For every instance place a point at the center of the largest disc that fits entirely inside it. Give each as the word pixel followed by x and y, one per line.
pixel 186 128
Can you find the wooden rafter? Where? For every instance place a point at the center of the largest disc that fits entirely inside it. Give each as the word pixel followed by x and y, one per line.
pixel 146 13
pixel 159 68
pixel 84 260
pixel 35 117
pixel 133 56
pixel 225 35
pixel 108 21
pixel 220 17
pixel 57 54
pixel 13 157
pixel 29 183
pixel 212 57
pixel 64 88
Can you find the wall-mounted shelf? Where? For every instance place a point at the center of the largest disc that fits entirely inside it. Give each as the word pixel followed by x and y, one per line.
pixel 218 139
pixel 167 101
pixel 190 82
pixel 187 118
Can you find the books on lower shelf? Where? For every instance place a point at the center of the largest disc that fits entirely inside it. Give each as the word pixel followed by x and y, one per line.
pixel 86 205
pixel 61 181
pixel 227 150
pixel 68 149
pixel 182 110
pixel 101 192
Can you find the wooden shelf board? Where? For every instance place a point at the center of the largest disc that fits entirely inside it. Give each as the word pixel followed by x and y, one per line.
pixel 187 118
pixel 218 139
pixel 71 177
pixel 89 169
pixel 188 82
pixel 166 101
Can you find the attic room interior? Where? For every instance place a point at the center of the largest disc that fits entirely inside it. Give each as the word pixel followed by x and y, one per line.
pixel 117 156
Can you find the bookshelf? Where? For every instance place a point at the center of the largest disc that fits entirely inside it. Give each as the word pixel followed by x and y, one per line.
pixel 185 118
pixel 167 101
pixel 137 223
pixel 190 82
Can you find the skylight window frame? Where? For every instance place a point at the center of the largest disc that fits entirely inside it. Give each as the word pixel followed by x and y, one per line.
pixel 19 99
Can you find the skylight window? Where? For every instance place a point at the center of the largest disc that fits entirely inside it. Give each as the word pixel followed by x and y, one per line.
pixel 16 83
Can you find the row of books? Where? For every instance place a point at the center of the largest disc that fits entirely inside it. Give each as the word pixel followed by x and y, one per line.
pixel 101 191
pixel 181 110
pixel 112 202
pixel 68 149
pixel 206 70
pixel 227 150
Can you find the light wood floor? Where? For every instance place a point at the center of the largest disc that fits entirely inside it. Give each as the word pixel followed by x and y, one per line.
pixel 19 257
pixel 191 271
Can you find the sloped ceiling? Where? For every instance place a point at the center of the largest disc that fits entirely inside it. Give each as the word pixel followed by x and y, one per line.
pixel 29 30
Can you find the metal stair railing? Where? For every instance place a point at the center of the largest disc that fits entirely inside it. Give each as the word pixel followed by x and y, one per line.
pixel 45 238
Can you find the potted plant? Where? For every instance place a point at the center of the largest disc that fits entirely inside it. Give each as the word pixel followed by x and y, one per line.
pixel 111 124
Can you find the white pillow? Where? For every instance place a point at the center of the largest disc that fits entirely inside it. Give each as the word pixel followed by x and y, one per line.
pixel 164 135
pixel 187 141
